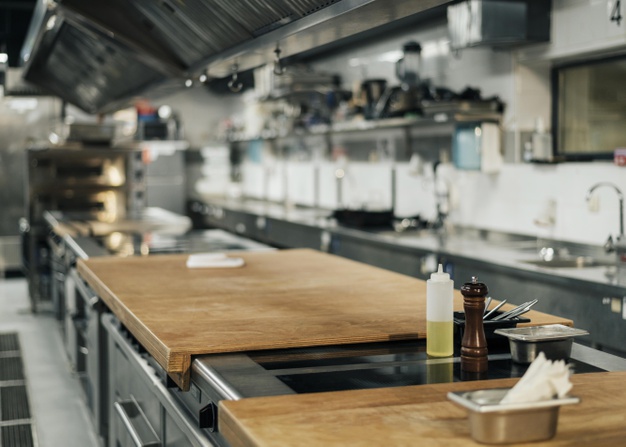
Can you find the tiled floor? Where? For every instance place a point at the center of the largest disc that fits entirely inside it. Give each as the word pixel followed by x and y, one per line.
pixel 57 405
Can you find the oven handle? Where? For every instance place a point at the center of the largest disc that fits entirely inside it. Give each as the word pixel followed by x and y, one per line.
pixel 128 411
pixel 194 434
pixel 86 293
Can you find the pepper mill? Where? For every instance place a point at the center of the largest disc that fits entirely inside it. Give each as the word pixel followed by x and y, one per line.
pixel 474 343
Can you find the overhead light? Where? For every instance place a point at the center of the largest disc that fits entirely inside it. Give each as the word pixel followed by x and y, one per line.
pixel 189 83
pixel 203 78
pixel 164 112
pixel 4 58
pixel 390 56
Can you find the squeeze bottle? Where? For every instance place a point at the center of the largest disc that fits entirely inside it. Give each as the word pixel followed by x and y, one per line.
pixel 439 313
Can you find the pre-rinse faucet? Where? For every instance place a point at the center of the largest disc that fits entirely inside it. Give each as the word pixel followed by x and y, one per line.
pixel 610 246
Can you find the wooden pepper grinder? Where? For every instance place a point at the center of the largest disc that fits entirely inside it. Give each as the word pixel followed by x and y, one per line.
pixel 474 343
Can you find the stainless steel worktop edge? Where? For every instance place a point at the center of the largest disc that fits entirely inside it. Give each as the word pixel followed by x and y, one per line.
pixel 456 247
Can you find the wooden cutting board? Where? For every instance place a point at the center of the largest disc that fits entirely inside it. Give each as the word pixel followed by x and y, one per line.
pixel 413 416
pixel 279 299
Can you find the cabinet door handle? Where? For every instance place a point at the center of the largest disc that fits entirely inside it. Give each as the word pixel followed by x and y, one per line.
pixel 93 301
pixel 136 424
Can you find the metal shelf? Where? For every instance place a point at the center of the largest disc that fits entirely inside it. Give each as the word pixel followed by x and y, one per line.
pixel 428 126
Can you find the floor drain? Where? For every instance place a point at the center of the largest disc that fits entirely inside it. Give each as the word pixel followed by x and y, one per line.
pixel 8 342
pixel 17 436
pixel 16 428
pixel 14 403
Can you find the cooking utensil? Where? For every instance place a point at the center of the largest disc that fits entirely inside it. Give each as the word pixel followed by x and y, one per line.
pixel 487 304
pixel 522 308
pixel 486 316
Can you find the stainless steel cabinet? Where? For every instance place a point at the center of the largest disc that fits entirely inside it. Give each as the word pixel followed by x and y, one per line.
pixel 142 410
pixel 86 342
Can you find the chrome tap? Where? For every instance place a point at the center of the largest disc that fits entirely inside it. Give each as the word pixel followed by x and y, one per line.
pixel 610 245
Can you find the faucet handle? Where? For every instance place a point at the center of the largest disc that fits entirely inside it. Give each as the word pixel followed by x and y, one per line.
pixel 609 245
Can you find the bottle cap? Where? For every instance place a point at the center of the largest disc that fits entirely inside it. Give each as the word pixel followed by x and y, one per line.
pixel 440 275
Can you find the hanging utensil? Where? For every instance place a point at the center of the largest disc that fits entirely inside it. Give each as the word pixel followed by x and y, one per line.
pixel 486 316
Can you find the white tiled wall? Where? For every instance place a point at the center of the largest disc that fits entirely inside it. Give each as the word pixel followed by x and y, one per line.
pixel 524 198
pixel 542 200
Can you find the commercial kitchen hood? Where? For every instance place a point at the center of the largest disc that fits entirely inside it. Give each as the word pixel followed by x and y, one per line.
pixel 98 54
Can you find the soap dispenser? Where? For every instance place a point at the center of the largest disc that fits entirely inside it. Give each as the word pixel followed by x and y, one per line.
pixel 439 314
pixel 541 142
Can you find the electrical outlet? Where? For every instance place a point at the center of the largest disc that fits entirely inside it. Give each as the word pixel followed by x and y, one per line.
pixel 616 305
pixel 593 203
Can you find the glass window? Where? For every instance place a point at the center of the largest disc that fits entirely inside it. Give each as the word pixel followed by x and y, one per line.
pixel 590 109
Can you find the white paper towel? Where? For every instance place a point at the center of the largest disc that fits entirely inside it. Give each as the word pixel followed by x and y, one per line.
pixel 491 156
pixel 543 380
pixel 213 260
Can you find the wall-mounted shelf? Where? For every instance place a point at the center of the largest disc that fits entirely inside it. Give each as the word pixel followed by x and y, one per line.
pixel 441 123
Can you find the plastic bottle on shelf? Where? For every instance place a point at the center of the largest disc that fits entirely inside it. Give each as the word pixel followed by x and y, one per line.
pixel 439 314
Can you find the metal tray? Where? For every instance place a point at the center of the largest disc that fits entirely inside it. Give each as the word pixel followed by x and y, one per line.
pixel 488 401
pixel 494 423
pixel 541 333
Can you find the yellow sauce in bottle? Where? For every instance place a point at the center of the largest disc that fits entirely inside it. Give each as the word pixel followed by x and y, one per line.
pixel 439 338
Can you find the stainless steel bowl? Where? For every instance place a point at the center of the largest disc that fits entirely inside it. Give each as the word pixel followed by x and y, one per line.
pixel 555 341
pixel 494 423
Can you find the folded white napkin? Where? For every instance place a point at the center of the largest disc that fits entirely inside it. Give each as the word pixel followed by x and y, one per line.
pixel 543 380
pixel 213 260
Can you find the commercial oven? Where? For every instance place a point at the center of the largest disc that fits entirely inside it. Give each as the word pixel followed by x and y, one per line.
pixel 103 183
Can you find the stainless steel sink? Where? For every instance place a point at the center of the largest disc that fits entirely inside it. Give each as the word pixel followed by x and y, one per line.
pixel 570 262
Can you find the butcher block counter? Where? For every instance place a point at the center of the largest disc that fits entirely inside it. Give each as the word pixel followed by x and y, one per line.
pixel 279 299
pixel 415 415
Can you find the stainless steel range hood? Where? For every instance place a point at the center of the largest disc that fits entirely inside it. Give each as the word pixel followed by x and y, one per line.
pixel 85 65
pixel 98 54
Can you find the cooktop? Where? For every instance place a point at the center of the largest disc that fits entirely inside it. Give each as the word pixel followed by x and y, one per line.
pixel 346 367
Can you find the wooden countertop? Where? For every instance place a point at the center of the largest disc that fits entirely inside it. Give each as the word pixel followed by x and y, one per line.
pixel 415 415
pixel 280 299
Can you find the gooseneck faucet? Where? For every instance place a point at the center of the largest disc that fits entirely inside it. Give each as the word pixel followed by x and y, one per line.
pixel 609 245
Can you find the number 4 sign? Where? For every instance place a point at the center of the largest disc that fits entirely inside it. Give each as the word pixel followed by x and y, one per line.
pixel 616 12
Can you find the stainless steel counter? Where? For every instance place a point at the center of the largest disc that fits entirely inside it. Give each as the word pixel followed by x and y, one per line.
pixel 499 249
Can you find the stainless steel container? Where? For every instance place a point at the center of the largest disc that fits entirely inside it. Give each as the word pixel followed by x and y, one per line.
pixel 555 341
pixel 494 423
